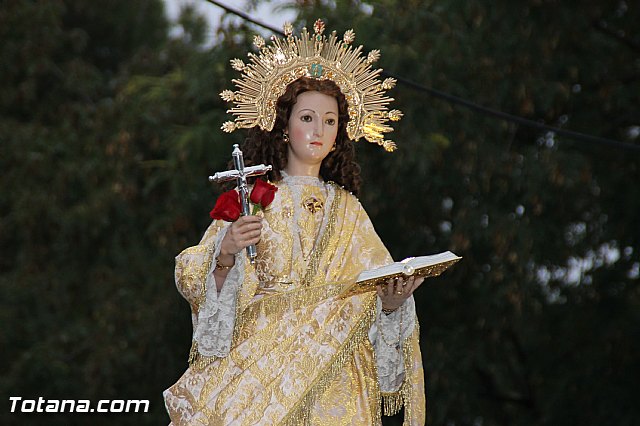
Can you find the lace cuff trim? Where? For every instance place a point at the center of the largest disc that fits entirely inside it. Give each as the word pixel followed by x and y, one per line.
pixel 387 343
pixel 216 318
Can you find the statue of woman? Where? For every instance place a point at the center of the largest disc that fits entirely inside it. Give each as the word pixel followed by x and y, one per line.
pixel 292 339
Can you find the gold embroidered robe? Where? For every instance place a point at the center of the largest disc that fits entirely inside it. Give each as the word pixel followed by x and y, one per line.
pixel 299 348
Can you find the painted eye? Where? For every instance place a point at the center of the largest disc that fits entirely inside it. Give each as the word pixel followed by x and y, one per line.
pixel 306 118
pixel 331 121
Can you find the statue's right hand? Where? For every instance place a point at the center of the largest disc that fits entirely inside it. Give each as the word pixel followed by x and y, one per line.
pixel 242 233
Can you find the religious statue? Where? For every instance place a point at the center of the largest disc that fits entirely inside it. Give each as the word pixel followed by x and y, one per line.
pixel 284 335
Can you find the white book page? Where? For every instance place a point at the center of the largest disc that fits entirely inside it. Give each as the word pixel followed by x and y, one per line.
pixel 408 265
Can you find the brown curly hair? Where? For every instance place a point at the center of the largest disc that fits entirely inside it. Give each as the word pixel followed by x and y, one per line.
pixel 262 147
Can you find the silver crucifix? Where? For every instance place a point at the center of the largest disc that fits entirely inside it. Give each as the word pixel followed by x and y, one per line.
pixel 241 173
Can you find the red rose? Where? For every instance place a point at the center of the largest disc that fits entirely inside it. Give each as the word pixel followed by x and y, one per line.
pixel 262 193
pixel 227 207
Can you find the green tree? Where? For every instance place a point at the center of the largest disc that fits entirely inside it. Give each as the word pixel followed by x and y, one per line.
pixel 536 325
pixel 102 117
pixel 108 129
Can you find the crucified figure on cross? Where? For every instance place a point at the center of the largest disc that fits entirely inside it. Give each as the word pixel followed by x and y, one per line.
pixel 241 173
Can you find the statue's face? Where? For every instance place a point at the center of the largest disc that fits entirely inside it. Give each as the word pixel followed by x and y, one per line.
pixel 312 128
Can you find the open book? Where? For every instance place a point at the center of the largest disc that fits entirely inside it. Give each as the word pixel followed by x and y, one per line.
pixel 422 266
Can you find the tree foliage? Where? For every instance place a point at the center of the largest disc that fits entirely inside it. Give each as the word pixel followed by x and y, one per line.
pixel 528 327
pixel 109 127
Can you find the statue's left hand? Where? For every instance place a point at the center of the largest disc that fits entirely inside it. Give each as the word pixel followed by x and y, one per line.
pixel 396 291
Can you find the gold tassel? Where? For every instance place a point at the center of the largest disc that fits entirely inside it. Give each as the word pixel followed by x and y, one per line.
pixel 392 402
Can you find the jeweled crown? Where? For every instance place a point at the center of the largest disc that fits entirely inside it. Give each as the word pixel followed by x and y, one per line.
pixel 266 76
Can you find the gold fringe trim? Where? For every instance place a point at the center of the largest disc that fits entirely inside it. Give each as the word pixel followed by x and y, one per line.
pixel 193 352
pixel 408 386
pixel 376 412
pixel 300 414
pixel 392 402
pixel 196 360
pixel 314 262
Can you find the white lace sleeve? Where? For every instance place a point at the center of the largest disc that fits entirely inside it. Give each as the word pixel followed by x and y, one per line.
pixel 387 335
pixel 214 326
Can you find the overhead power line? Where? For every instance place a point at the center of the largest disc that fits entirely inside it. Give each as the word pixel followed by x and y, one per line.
pixel 516 119
pixel 595 140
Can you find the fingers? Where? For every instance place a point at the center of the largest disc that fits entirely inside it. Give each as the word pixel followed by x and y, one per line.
pixel 419 282
pixel 245 240
pixel 249 234
pixel 391 293
pixel 412 285
pixel 395 291
pixel 391 286
pixel 242 233
pixel 248 219
pixel 247 223
pixel 416 282
pixel 406 286
pixel 399 287
pixel 251 240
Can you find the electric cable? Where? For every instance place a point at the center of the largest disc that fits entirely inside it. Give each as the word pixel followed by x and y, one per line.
pixel 577 136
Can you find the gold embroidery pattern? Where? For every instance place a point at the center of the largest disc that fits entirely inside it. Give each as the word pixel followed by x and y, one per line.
pixel 314 322
pixel 192 266
pixel 300 413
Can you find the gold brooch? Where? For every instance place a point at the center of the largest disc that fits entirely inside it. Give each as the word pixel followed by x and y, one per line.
pixel 312 204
